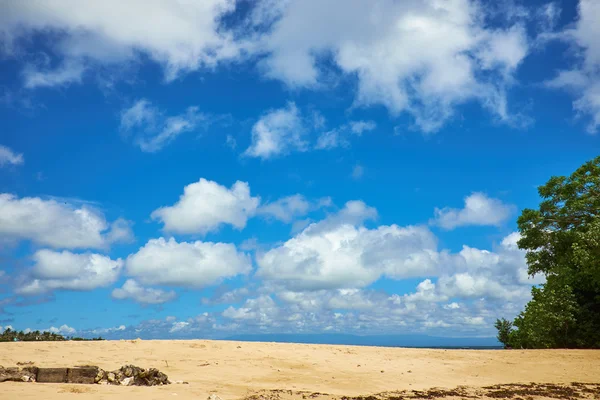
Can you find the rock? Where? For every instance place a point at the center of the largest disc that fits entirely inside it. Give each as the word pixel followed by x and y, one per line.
pixel 101 375
pixel 127 375
pixel 10 374
pixel 15 374
pixel 82 375
pixel 213 396
pixel 52 375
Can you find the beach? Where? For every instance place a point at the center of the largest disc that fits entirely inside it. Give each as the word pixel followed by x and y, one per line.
pixel 237 370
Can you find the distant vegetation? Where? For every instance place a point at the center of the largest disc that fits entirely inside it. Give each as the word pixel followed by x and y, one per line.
pixel 36 336
pixel 562 241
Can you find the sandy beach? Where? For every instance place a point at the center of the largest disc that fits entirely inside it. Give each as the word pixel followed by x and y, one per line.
pixel 236 370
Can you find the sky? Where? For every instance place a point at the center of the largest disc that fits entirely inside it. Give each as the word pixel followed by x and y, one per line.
pixel 182 169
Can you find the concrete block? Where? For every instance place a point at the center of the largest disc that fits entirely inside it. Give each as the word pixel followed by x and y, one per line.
pixel 52 375
pixel 82 375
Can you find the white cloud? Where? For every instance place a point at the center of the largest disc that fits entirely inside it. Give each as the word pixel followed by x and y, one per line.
pixel 205 205
pixel 584 79
pixel 358 127
pixel 358 171
pixel 8 156
pixel 332 139
pixel 134 291
pixel 228 297
pixel 194 264
pixel 479 209
pixel 420 57
pixel 451 306
pixel 120 231
pixel 231 142
pixel 338 137
pixel 277 133
pixel 68 271
pixel 179 35
pixel 339 253
pixel 548 16
pixel 62 330
pixel 287 209
pixel 57 224
pixel 69 72
pixel 178 326
pixel 153 129
pixel 463 295
pixel 3 328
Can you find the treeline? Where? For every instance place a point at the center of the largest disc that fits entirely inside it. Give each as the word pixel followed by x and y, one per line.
pixel 562 242
pixel 10 335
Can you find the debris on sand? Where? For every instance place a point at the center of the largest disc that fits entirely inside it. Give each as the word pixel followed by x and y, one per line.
pixel 128 375
pixel 131 375
pixel 16 374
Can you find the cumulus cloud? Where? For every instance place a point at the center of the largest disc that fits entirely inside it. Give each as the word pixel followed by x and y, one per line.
pixel 205 205
pixel 134 291
pixel 64 270
pixel 62 330
pixel 583 80
pixel 9 157
pixel 186 264
pixel 420 57
pixel 326 271
pixel 479 209
pixel 180 36
pixel 336 253
pixel 287 209
pixel 153 129
pixel 278 132
pixel 58 224
pixel 462 293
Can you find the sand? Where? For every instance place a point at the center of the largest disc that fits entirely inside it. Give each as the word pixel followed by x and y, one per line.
pixel 236 370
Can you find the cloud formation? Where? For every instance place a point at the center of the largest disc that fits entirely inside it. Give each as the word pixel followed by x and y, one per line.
pixel 9 157
pixel 154 130
pixel 186 264
pixel 205 206
pixel 420 57
pixel 136 292
pixel 479 210
pixel 180 36
pixel 584 79
pixel 58 224
pixel 423 58
pixel 278 132
pixel 64 270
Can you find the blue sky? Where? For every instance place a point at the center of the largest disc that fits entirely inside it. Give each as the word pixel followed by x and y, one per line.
pixel 209 168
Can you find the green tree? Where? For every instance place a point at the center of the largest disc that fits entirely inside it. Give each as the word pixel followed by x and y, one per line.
pixel 548 320
pixel 504 328
pixel 562 241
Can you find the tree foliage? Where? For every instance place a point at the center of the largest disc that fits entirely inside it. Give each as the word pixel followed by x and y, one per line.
pixel 504 328
pixel 10 335
pixel 562 241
